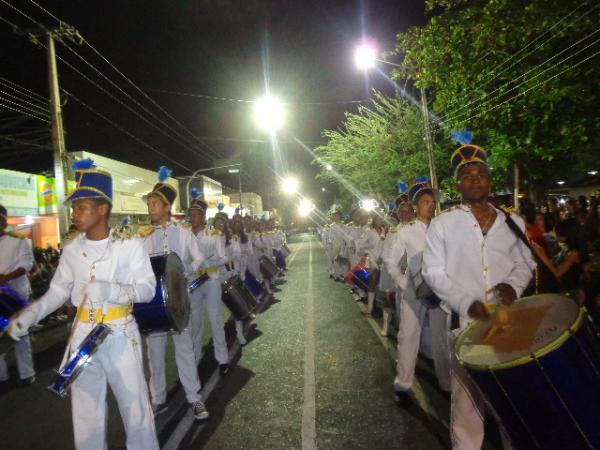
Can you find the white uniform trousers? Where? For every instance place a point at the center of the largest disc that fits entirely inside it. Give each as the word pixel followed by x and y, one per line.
pixel 207 299
pixel 186 365
pixel 468 409
pixel 118 362
pixel 23 358
pixel 413 314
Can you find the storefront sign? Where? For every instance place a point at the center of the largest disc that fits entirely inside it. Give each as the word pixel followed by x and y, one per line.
pixel 18 193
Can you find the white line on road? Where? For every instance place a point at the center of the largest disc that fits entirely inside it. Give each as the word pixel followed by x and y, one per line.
pixel 188 421
pixel 308 411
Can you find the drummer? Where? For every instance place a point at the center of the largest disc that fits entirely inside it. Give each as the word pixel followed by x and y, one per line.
pixel 250 229
pixel 417 302
pixel 233 254
pixel 16 260
pixel 167 235
pixel 103 272
pixel 208 296
pixel 337 239
pixel 472 259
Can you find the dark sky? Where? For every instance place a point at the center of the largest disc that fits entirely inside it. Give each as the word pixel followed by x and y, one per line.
pixel 220 48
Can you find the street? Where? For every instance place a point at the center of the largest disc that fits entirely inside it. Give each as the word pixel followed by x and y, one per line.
pixel 314 374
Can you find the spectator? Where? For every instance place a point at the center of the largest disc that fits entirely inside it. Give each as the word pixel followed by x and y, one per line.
pixel 571 208
pixel 568 266
pixel 592 225
pixel 582 203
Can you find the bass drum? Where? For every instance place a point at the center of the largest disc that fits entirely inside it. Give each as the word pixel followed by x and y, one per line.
pixel 169 310
pixel 238 298
pixel 10 304
pixel 268 268
pixel 539 368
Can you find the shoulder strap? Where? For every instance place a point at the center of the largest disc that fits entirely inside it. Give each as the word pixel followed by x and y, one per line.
pixel 516 230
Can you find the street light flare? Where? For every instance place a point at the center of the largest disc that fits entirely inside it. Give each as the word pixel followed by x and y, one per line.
pixel 305 208
pixel 269 114
pixel 365 56
pixel 290 185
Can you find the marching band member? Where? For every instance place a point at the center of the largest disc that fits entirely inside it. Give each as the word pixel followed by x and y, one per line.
pixel 102 271
pixel 339 252
pixel 208 296
pixel 473 259
pixel 370 245
pixel 164 236
pixel 326 244
pixel 16 260
pixel 387 286
pixel 355 232
pixel 254 244
pixel 417 304
pixel 233 252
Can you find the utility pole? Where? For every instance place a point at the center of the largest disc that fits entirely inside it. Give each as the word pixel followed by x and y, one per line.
pixel 428 141
pixel 58 139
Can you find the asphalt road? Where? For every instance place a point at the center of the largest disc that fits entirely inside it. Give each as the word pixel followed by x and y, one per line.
pixel 314 374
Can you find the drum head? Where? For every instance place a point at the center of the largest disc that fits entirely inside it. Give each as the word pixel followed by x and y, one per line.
pixel 532 326
pixel 177 301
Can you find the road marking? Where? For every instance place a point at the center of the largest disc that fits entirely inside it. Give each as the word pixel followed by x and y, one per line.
pixel 188 421
pixel 309 433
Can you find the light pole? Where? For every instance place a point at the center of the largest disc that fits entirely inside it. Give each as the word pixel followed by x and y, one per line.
pixel 365 58
pixel 195 174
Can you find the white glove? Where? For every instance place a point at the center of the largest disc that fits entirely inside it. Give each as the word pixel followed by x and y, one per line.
pixel 19 325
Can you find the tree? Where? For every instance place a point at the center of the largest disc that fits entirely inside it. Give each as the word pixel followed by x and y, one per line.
pixel 375 147
pixel 523 75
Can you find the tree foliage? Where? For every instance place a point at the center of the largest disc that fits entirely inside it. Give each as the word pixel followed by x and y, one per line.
pixel 523 75
pixel 375 147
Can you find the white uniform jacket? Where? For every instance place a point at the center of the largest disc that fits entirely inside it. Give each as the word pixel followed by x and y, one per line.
pixel 16 253
pixel 462 266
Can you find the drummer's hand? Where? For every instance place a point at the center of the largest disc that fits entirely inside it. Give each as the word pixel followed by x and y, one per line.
pixel 20 323
pixel 506 294
pixel 478 310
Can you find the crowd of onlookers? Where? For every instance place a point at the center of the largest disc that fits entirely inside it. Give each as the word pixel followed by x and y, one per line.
pixel 565 236
pixel 45 262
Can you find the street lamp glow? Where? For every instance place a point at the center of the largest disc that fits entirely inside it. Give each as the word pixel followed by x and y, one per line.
pixel 593 172
pixel 368 204
pixel 305 208
pixel 323 189
pixel 290 185
pixel 561 182
pixel 269 114
pixel 365 56
pixel 329 167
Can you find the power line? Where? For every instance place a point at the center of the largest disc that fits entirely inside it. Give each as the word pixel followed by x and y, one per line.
pixel 23 112
pixel 23 91
pixel 123 130
pixel 492 71
pixel 441 121
pixel 33 106
pixel 529 89
pixel 451 113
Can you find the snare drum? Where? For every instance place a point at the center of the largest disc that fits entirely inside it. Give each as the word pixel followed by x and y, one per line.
pixel 237 298
pixel 279 259
pixel 10 304
pixel 268 268
pixel 170 307
pixel 540 371
pixel 79 359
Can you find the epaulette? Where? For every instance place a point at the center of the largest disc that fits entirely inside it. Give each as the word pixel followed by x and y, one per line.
pixel 186 225
pixel 215 232
pixel 15 235
pixel 122 232
pixel 412 222
pixel 146 230
pixel 69 237
pixel 452 208
pixel 394 229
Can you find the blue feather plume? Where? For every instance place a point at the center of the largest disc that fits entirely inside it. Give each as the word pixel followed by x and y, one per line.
pixel 402 186
pixel 195 192
pixel 221 206
pixel 422 179
pixel 462 137
pixel 125 220
pixel 163 173
pixel 391 206
pixel 237 210
pixel 83 164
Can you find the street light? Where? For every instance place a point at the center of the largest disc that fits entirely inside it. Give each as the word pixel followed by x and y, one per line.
pixel 329 167
pixel 290 185
pixel 365 56
pixel 269 114
pixel 305 208
pixel 560 182
pixel 368 204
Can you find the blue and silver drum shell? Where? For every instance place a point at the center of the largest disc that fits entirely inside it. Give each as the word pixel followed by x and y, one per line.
pixel 360 278
pixel 79 359
pixel 253 285
pixel 170 307
pixel 10 304
pixel 539 370
pixel 279 259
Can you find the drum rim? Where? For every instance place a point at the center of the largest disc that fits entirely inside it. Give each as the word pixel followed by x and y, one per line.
pixel 172 323
pixel 521 360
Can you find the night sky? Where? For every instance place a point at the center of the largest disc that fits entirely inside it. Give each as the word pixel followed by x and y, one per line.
pixel 214 48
